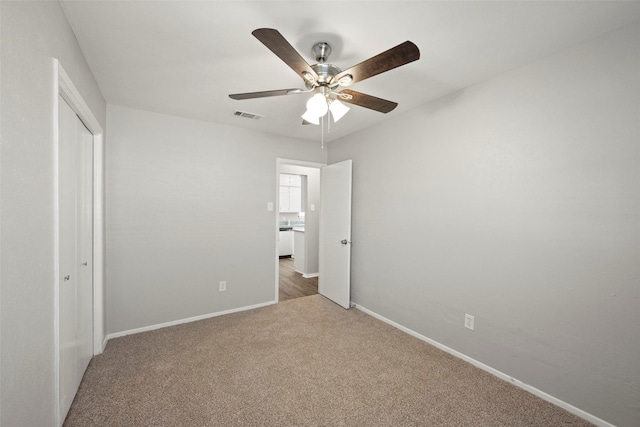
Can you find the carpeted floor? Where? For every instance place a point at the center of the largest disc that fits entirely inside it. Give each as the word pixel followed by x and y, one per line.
pixel 302 362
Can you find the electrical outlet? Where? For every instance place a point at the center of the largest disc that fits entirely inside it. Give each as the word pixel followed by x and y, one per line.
pixel 223 286
pixel 468 321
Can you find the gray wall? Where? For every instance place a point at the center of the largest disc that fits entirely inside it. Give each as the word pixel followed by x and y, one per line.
pixel 516 201
pixel 32 34
pixel 187 208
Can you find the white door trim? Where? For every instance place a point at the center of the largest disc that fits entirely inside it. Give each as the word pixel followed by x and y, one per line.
pixel 276 216
pixel 64 87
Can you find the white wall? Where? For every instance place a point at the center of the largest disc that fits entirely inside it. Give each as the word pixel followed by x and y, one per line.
pixel 517 201
pixel 187 208
pixel 33 33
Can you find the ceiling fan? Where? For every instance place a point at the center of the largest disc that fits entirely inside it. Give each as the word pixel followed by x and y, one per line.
pixel 328 82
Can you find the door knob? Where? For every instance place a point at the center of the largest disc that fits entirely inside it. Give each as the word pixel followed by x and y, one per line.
pixel 67 277
pixel 85 263
pixel 344 241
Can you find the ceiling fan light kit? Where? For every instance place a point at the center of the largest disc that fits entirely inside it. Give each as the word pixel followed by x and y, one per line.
pixel 317 105
pixel 311 119
pixel 326 81
pixel 338 109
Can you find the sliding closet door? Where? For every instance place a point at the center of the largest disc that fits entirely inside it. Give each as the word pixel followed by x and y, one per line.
pixel 75 187
pixel 67 140
pixel 84 234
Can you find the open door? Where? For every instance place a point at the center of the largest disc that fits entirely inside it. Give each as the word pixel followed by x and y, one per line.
pixel 335 233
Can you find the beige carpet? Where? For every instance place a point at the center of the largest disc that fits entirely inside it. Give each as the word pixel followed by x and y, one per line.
pixel 301 362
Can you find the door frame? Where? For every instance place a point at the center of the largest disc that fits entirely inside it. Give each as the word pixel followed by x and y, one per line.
pixel 276 216
pixel 63 87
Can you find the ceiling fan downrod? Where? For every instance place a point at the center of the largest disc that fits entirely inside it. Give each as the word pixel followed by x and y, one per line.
pixel 321 52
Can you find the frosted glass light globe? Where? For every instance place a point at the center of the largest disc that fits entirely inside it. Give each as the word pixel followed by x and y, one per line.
pixel 317 105
pixel 311 118
pixel 338 110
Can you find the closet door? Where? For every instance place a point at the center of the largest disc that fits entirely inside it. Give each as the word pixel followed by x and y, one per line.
pixel 84 234
pixel 67 141
pixel 75 187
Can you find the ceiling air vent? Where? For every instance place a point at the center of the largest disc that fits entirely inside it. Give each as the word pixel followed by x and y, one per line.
pixel 247 115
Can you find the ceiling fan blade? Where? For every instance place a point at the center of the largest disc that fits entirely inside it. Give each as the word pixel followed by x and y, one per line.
pixel 280 46
pixel 396 56
pixel 264 94
pixel 366 101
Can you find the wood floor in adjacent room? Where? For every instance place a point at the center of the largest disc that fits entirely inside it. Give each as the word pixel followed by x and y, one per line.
pixel 292 284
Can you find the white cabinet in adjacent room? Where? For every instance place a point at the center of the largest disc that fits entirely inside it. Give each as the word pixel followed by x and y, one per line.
pixel 290 180
pixel 284 199
pixel 290 193
pixel 286 243
pixel 295 199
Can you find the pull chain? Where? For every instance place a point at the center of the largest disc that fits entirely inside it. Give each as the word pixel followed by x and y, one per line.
pixel 322 133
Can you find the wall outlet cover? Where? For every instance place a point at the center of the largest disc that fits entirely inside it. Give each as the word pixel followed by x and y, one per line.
pixel 468 321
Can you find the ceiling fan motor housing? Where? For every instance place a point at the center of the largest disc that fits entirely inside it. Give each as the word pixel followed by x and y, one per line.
pixel 321 52
pixel 325 73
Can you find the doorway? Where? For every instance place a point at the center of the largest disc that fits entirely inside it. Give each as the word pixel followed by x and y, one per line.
pixel 297 222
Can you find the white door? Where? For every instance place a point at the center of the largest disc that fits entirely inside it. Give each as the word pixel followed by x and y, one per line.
pixel 75 186
pixel 67 141
pixel 84 205
pixel 335 233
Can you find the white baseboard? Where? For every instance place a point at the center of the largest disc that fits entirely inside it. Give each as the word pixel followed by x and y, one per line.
pixel 181 321
pixel 308 276
pixel 541 394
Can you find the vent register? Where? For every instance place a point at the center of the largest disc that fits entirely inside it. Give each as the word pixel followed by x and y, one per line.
pixel 247 115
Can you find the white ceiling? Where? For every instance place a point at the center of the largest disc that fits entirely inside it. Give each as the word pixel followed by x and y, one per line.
pixel 184 57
